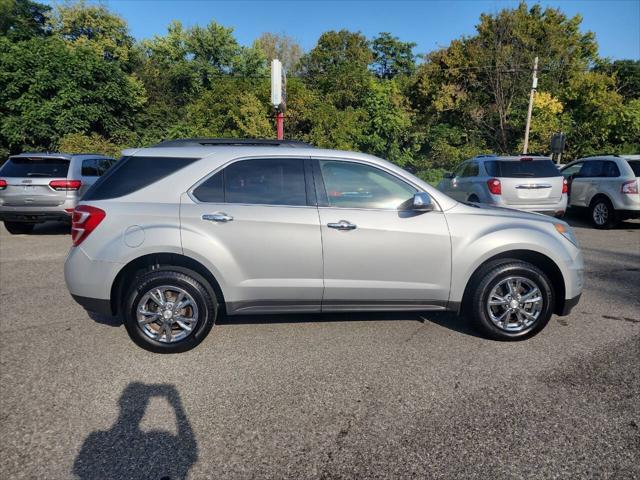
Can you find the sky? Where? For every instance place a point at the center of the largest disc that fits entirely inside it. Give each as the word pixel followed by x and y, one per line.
pixel 429 23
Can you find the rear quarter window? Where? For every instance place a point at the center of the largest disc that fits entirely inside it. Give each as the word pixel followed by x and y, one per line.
pixel 635 166
pixel 131 174
pixel 35 167
pixel 522 168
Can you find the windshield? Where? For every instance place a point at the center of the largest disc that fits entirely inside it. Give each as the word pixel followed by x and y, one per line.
pixel 522 168
pixel 635 166
pixel 35 167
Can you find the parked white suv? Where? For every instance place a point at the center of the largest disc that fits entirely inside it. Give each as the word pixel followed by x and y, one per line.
pixel 36 187
pixel 177 234
pixel 524 182
pixel 607 186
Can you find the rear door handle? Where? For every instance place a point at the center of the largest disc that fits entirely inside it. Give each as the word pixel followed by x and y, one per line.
pixel 342 225
pixel 217 217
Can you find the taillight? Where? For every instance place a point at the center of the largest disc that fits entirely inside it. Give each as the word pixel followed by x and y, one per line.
pixel 65 185
pixel 3 184
pixel 630 187
pixel 494 186
pixel 84 220
pixel 565 186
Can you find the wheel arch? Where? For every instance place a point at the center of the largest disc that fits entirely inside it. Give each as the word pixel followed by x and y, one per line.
pixel 540 260
pixel 159 261
pixel 597 196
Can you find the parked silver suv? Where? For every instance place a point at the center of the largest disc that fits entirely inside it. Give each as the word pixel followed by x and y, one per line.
pixel 605 185
pixel 525 182
pixel 36 187
pixel 176 235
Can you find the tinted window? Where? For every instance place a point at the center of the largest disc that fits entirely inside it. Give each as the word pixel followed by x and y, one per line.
pixel 133 173
pixel 211 190
pixel 522 168
pixel 471 170
pixel 592 169
pixel 572 171
pixel 635 166
pixel 265 181
pixel 610 169
pixel 35 167
pixel 461 169
pixel 90 168
pixel 354 185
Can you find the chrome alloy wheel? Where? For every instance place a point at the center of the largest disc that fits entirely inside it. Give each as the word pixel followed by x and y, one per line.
pixel 167 313
pixel 514 304
pixel 600 213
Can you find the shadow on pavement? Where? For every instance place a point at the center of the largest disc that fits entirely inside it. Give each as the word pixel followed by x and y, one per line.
pixel 581 220
pixel 106 319
pixel 444 319
pixel 125 451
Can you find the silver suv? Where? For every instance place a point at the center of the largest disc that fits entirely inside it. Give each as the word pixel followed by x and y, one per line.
pixel 605 185
pixel 36 187
pixel 527 182
pixel 180 233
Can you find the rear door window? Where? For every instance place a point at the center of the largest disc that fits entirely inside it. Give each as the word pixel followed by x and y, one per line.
pixel 131 174
pixel 90 167
pixel 46 167
pixel 274 181
pixel 610 169
pixel 522 168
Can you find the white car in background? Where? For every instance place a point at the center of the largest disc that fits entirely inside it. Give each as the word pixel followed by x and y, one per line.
pixel 607 186
pixel 523 182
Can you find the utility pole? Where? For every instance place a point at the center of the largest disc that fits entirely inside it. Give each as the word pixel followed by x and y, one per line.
pixel 534 85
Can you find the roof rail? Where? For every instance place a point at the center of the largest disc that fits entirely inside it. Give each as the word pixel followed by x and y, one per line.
pixel 486 155
pixel 232 142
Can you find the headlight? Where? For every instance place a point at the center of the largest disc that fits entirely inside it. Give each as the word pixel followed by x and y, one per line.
pixel 566 232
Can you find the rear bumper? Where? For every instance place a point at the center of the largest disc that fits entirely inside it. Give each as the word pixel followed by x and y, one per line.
pixel 569 303
pixel 33 216
pixel 96 305
pixel 553 209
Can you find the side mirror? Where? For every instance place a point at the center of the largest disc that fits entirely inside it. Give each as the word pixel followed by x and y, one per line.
pixel 422 202
pixel 449 175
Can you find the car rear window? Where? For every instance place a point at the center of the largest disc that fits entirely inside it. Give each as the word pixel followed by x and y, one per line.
pixel 522 168
pixel 131 174
pixel 35 167
pixel 635 166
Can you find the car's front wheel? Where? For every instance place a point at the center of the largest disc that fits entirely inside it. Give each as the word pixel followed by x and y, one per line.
pixel 16 228
pixel 511 300
pixel 169 311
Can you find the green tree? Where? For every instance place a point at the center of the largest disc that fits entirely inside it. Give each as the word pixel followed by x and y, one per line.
pixel 338 67
pixel 482 81
pixel 94 26
pixel 82 142
pixel 282 47
pixel 49 89
pixel 392 57
pixel 22 19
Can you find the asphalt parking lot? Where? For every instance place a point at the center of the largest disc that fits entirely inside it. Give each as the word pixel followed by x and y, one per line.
pixel 333 396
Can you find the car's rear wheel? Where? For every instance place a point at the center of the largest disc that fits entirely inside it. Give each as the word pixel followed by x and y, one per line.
pixel 603 215
pixel 17 228
pixel 169 311
pixel 511 300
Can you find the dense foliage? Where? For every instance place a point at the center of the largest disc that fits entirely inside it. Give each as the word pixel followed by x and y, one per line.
pixel 74 78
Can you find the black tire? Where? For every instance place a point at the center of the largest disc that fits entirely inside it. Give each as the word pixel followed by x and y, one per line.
pixel 490 275
pixel 187 280
pixel 474 199
pixel 17 228
pixel 602 214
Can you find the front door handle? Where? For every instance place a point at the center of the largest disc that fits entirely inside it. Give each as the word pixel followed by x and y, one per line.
pixel 342 225
pixel 217 217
